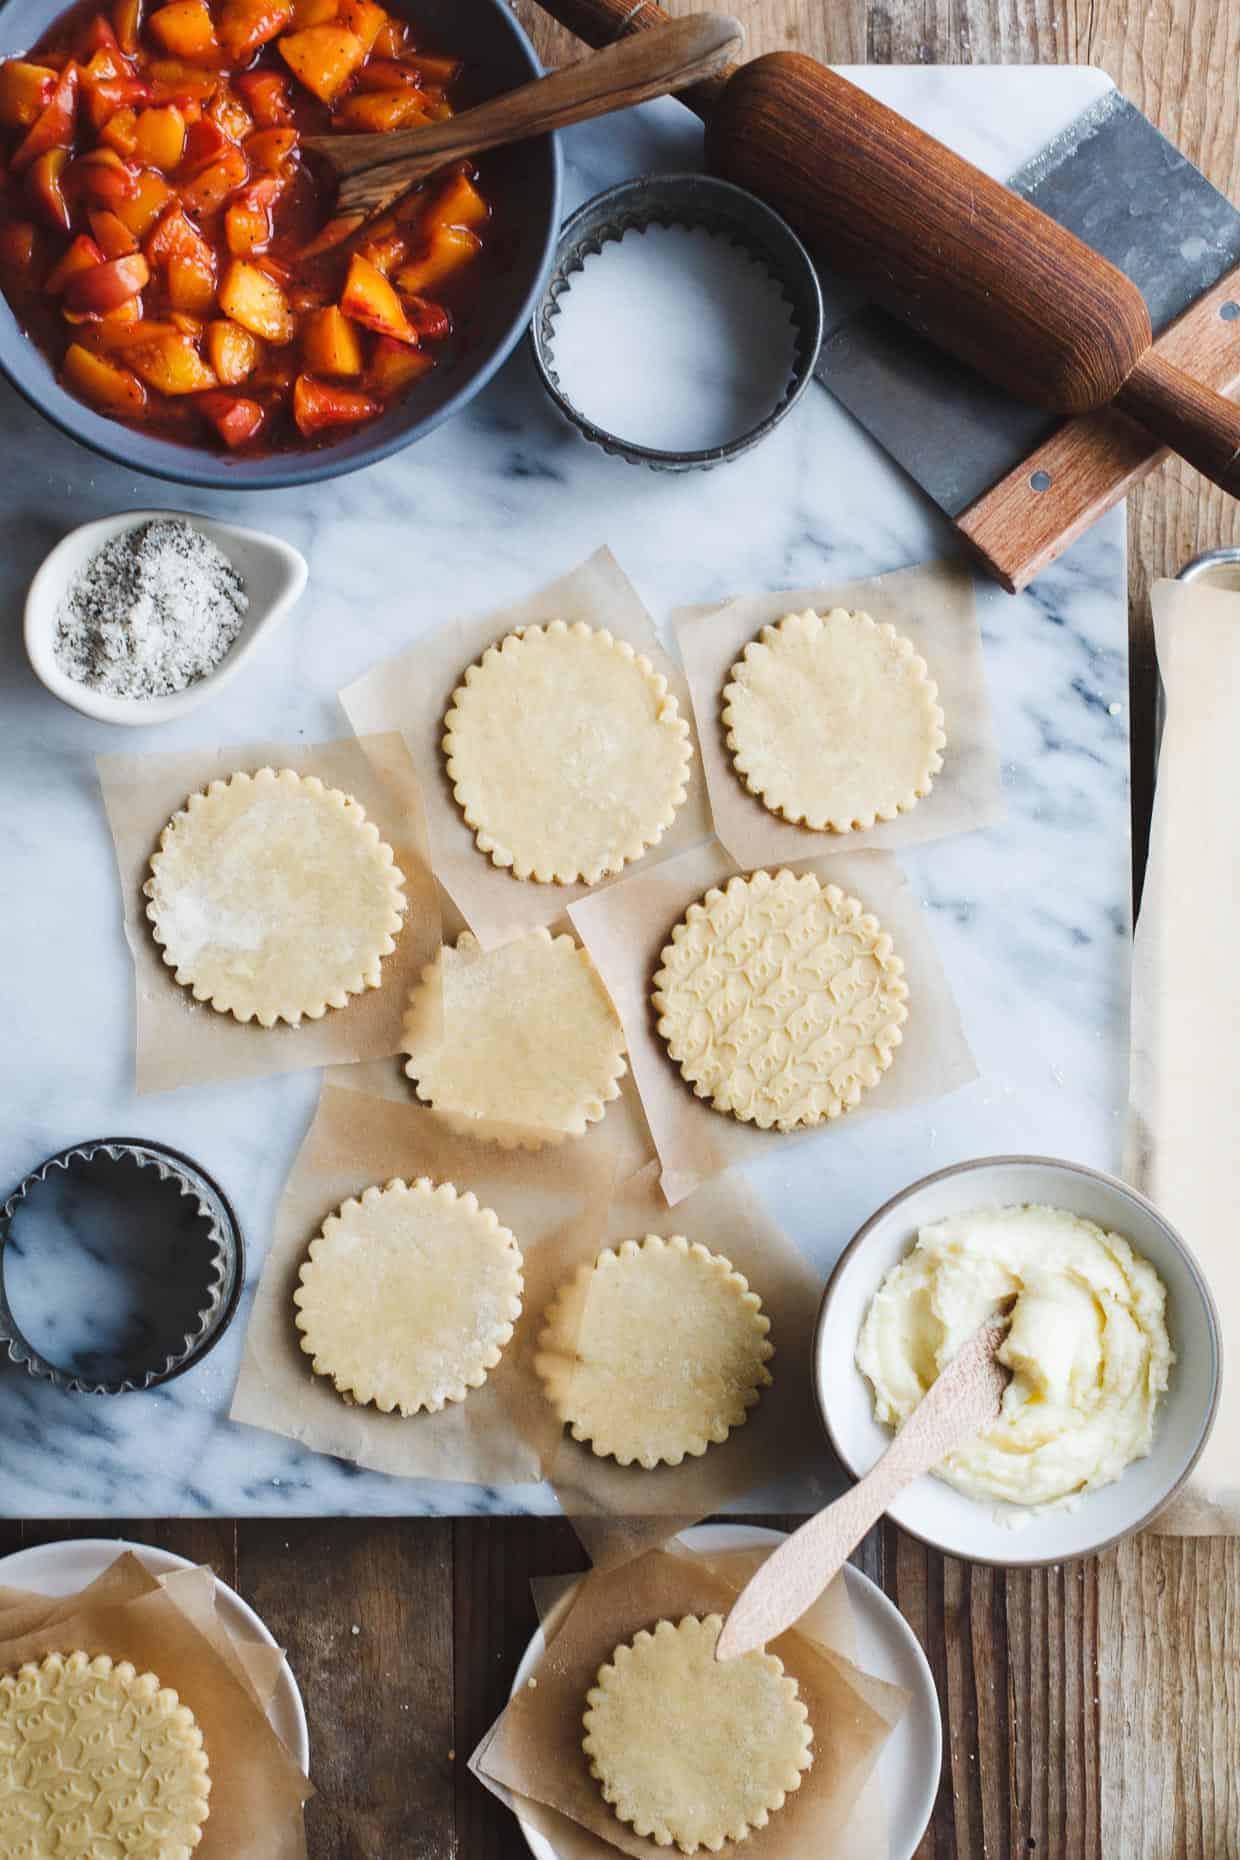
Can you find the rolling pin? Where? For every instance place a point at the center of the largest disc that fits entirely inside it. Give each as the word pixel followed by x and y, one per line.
pixel 981 272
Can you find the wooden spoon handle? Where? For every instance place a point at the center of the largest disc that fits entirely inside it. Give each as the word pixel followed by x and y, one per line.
pixel 963 1400
pixel 1198 423
pixel 378 168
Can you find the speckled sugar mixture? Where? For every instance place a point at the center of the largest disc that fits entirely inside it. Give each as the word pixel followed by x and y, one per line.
pixel 153 611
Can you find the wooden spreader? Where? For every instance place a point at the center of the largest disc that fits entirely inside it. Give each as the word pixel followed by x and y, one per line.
pixel 1054 336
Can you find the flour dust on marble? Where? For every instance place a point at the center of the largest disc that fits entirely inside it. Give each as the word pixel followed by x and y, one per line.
pixel 674 338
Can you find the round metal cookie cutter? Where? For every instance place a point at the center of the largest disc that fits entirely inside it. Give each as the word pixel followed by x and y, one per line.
pixel 224 1250
pixel 691 201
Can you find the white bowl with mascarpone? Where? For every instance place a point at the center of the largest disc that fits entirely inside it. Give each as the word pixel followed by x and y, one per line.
pixel 1114 1386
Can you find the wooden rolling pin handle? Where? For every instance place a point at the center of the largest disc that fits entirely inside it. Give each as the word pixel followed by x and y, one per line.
pixel 1200 424
pixel 602 22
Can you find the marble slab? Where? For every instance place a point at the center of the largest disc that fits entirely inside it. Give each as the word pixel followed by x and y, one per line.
pixel 1032 918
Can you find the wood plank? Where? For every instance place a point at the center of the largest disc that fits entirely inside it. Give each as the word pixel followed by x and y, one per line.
pixel 364 1608
pixel 203 1540
pixel 835 33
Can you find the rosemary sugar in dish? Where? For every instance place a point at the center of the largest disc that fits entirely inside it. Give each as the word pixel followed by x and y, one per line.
pixel 154 610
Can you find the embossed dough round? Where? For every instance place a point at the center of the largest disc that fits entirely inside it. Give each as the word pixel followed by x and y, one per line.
pixel 97 1760
pixel 781 999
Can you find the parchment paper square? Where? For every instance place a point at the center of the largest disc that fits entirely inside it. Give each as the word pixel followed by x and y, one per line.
pixel 412 693
pixel 935 607
pixel 180 1041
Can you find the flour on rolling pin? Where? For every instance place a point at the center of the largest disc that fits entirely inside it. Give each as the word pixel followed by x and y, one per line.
pixel 674 338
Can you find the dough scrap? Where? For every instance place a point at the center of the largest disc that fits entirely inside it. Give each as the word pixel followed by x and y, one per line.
pixel 530 1050
pixel 833 721
pixel 96 1759
pixel 567 753
pixel 273 897
pixel 780 999
pixel 691 1750
pixel 409 1296
pixel 654 1351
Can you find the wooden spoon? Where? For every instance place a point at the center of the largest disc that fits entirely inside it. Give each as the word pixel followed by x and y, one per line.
pixel 376 170
pixel 962 1401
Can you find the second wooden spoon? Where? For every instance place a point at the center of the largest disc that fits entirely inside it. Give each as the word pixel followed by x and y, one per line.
pixel 956 1406
pixel 376 170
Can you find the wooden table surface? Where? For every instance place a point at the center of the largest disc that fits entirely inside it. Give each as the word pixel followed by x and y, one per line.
pixel 1091 1712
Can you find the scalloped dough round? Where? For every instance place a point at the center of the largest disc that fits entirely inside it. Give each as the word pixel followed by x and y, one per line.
pixel 409 1296
pixel 654 1351
pixel 691 1750
pixel 567 753
pixel 530 1049
pixel 273 897
pixel 70 1726
pixel 780 999
pixel 833 721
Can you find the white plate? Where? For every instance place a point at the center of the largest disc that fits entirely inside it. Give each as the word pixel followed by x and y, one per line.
pixel 911 1758
pixel 62 1568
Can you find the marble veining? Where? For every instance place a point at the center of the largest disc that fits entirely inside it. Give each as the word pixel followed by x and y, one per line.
pixel 1031 917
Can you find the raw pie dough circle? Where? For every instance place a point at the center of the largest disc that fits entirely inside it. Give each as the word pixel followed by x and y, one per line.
pixel 833 721
pixel 691 1750
pixel 95 1760
pixel 273 897
pixel 780 999
pixel 567 753
pixel 654 1351
pixel 409 1296
pixel 530 1048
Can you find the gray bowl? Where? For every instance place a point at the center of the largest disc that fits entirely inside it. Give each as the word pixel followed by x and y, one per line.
pixel 523 184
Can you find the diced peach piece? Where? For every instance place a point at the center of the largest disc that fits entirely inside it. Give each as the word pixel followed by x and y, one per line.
pixel 120 132
pixel 392 39
pixel 115 338
pixel 186 30
pixel 102 176
pixel 323 57
pixel 431 321
pixel 370 300
pixel 128 312
pixel 160 137
pixel 387 74
pixel 173 81
pixel 365 19
pixel 169 362
pixel 436 70
pixel 127 21
pixel 98 35
pixel 81 255
pixel 449 248
pixel 266 96
pixel 25 92
pixel 100 288
pixel 330 344
pixel 106 97
pixel 232 351
pixel 457 204
pixel 44 183
pixel 236 419
pixel 376 112
pixel 141 211
pixel 227 109
pixel 103 383
pixel 394 366
pixel 247 226
pixel 205 142
pixel 314 13
pixel 386 253
pixel 17 242
pixel 208 191
pixel 245 25
pixel 111 233
pixel 103 65
pixel 256 301
pixel 170 234
pixel 191 284
pixel 192 326
pixel 319 404
pixel 269 149
pixel 54 125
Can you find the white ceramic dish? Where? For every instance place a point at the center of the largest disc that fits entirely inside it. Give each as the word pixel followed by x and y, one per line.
pixel 995 1533
pixel 887 1647
pixel 62 1568
pixel 274 574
